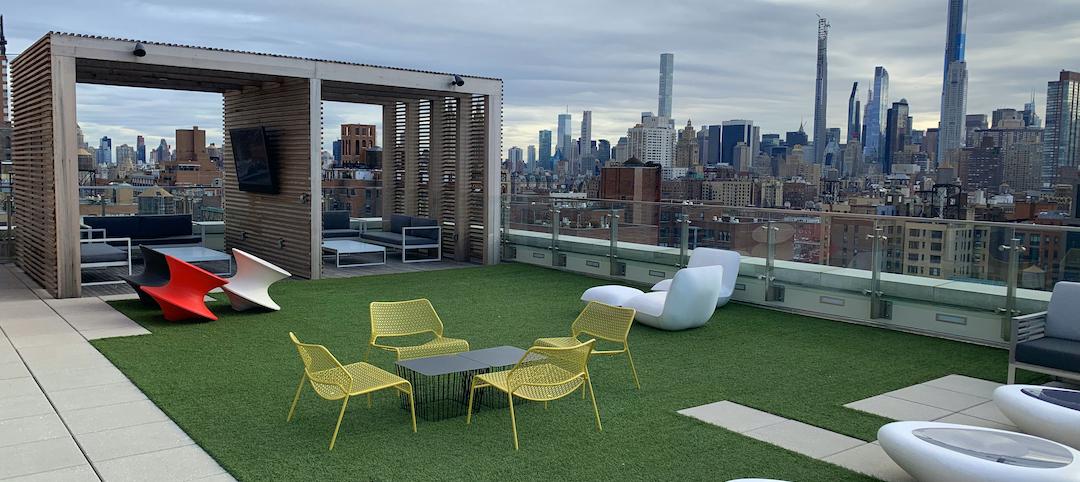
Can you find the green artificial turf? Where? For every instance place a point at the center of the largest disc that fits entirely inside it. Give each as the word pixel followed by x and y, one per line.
pixel 229 384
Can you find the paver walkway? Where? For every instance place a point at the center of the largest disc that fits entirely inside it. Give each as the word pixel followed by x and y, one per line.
pixel 66 413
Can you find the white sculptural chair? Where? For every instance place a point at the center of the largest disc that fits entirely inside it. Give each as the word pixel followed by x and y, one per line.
pixel 687 304
pixel 1048 412
pixel 729 260
pixel 248 289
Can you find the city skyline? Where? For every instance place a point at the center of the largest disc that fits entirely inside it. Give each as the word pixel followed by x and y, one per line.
pixel 906 37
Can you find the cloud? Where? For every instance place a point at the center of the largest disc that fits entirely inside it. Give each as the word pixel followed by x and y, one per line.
pixel 733 59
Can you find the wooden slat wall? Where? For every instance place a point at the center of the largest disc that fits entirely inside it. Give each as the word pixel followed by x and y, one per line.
pixel 34 182
pixel 476 148
pixel 275 227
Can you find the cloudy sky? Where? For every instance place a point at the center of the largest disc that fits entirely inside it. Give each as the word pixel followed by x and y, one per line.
pixel 749 59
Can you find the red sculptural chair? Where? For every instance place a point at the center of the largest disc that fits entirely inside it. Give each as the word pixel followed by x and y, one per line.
pixel 183 296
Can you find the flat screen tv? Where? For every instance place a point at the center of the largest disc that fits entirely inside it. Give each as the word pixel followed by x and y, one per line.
pixel 256 169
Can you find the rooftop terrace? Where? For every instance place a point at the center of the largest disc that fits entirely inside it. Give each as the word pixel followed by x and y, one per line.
pixel 228 385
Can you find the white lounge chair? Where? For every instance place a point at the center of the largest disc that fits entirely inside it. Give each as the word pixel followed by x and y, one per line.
pixel 687 304
pixel 729 260
pixel 248 289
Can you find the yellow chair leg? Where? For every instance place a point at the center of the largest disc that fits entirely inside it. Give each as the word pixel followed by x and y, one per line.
pixel 545 404
pixel 412 410
pixel 592 393
pixel 292 409
pixel 369 400
pixel 632 369
pixel 513 420
pixel 339 417
pixel 583 385
pixel 472 391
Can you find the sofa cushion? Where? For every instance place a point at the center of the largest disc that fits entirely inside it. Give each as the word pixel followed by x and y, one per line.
pixel 1050 352
pixel 340 233
pixel 614 295
pixel 398 221
pixel 171 240
pixel 101 253
pixel 333 220
pixel 431 234
pixel 1062 320
pixel 142 226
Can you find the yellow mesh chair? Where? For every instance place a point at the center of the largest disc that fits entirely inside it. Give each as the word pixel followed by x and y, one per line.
pixel 332 381
pixel 542 374
pixel 408 318
pixel 601 321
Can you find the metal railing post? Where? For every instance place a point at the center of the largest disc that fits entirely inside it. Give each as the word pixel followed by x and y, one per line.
pixel 877 306
pixel 506 226
pixel 613 248
pixel 556 220
pixel 1010 310
pixel 770 261
pixel 684 241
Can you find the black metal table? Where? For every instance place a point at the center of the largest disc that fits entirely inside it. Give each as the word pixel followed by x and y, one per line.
pixel 441 383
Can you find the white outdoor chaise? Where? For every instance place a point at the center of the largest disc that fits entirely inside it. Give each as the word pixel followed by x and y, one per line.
pixel 614 295
pixel 729 260
pixel 688 304
pixel 946 452
pixel 248 289
pixel 1047 412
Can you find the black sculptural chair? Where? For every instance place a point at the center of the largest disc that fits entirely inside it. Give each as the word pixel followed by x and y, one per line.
pixel 155 273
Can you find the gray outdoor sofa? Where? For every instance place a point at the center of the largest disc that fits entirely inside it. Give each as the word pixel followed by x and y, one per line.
pixel 335 225
pixel 409 233
pixel 1049 342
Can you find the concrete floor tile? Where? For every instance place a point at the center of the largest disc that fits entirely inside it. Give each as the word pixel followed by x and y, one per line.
pixel 988 411
pixel 38 457
pixel 78 473
pixel 52 358
pixel 13 369
pixel 898 409
pixel 25 406
pixel 732 416
pixel 25 327
pixel 98 334
pixel 963 384
pixel 96 396
pixel 17 387
pixel 79 378
pixel 870 459
pixel 937 397
pixel 805 439
pixel 15 294
pixel 119 297
pixel 134 440
pixel 222 477
pixel 113 416
pixel 182 463
pixel 72 338
pixel 18 431
pixel 961 419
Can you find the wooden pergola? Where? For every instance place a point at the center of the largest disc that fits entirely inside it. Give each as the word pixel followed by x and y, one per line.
pixel 441 145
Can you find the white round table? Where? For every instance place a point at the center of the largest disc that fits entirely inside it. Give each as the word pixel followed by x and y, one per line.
pixel 1047 412
pixel 945 452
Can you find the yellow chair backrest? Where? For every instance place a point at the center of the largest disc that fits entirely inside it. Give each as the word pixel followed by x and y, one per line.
pixel 321 367
pixel 403 318
pixel 550 367
pixel 611 323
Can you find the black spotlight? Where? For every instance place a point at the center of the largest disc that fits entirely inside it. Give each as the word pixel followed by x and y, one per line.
pixel 139 51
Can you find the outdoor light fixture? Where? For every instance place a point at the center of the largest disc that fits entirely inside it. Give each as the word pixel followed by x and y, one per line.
pixel 139 51
pixel 458 81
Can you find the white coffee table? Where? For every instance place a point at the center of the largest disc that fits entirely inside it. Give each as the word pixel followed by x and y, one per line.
pixel 347 247
pixel 197 254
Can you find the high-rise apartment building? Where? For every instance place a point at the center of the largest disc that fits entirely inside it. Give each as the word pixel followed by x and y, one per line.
pixel 653 140
pixel 1061 138
pixel 162 153
pixel 356 140
pixel 140 150
pixel 562 142
pixel 821 91
pixel 603 151
pixel 667 70
pixel 686 148
pixel 972 123
pixel 897 133
pixel 954 81
pixel 530 156
pixel 876 108
pixel 732 133
pixel 125 160
pixel 586 135
pixel 192 165
pixel 1006 119
pixel 545 149
pixel 621 151
pixel 104 152
pixel 854 123
pixel 515 159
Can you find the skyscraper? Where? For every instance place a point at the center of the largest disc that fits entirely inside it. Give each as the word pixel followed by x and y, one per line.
pixel 821 90
pixel 140 150
pixel 1031 119
pixel 603 151
pixel 5 114
pixel 897 133
pixel 562 143
pixel 667 68
pixel 732 133
pixel 954 82
pixel 586 135
pixel 854 124
pixel 875 114
pixel 530 157
pixel 1061 139
pixel 104 151
pixel 545 149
